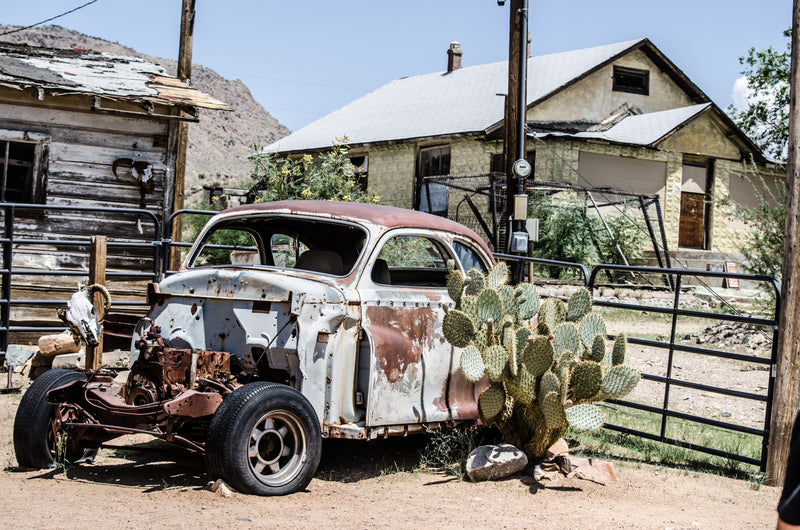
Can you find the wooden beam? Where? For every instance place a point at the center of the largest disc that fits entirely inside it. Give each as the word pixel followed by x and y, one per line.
pixel 97 275
pixel 787 381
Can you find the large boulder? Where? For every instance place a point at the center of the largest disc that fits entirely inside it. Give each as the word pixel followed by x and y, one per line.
pixel 495 462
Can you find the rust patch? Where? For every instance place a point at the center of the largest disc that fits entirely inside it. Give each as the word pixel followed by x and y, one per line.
pixel 399 335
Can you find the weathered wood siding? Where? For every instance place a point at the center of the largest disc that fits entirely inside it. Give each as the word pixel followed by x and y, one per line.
pixel 78 148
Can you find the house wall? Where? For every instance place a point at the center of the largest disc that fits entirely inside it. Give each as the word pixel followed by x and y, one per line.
pixel 592 98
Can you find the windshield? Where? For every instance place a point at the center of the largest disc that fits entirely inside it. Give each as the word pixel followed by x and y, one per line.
pixel 285 242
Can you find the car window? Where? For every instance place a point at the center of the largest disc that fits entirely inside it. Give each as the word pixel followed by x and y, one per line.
pixel 229 246
pixel 468 257
pixel 412 260
pixel 285 250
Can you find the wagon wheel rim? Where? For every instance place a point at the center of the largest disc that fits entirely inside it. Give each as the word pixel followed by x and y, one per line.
pixel 277 448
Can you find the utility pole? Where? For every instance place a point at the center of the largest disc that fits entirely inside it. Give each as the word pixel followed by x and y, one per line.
pixel 179 129
pixel 514 133
pixel 787 380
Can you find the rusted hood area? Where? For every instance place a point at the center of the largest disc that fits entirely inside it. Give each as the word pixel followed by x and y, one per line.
pixel 261 285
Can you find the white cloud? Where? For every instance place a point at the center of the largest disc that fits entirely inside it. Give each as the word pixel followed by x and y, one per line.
pixel 741 94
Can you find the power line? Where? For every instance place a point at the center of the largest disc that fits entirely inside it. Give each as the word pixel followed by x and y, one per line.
pixel 48 20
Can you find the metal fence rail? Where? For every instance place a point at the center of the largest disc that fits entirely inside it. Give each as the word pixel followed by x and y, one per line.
pixel 158 245
pixel 149 245
pixel 665 409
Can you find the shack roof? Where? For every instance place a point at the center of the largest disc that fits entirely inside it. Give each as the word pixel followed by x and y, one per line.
pixel 87 72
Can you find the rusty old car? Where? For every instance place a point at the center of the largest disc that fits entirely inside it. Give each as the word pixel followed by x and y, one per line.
pixel 288 322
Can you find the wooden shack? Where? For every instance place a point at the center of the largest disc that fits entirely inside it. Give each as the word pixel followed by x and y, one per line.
pixel 86 138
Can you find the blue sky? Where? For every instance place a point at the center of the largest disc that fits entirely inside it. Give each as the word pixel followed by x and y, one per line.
pixel 302 60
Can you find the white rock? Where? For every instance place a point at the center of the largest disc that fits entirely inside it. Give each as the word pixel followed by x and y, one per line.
pixel 495 462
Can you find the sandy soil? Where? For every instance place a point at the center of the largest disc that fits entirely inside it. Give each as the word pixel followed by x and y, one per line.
pixel 358 486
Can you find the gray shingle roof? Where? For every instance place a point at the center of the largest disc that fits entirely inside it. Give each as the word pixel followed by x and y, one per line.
pixel 441 103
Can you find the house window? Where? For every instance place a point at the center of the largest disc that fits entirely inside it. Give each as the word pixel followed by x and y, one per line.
pixel 631 80
pixel 361 170
pixel 432 196
pixel 17 163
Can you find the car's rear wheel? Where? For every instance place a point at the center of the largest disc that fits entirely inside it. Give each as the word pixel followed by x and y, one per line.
pixel 264 440
pixel 35 443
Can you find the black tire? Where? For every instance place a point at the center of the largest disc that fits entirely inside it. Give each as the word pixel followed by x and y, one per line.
pixel 264 440
pixel 34 440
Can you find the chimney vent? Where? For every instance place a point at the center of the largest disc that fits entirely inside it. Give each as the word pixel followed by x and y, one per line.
pixel 454 56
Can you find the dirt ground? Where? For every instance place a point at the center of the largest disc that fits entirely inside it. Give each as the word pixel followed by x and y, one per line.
pixel 361 485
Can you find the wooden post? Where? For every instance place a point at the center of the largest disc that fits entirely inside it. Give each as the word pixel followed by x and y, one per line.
pixel 787 391
pixel 181 129
pixel 511 123
pixel 97 274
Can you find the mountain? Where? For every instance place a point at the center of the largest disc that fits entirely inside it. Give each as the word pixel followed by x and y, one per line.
pixel 219 143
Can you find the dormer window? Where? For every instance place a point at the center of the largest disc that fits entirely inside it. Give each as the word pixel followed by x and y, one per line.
pixel 631 80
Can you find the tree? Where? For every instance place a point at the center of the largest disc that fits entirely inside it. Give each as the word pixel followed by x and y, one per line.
pixel 330 176
pixel 766 120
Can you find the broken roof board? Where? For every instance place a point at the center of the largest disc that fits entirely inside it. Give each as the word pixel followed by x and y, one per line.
pixel 104 74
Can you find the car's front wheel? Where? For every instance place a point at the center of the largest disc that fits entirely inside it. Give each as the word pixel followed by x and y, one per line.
pixel 264 440
pixel 35 439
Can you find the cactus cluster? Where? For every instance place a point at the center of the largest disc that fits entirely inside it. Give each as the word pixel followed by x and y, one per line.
pixel 546 361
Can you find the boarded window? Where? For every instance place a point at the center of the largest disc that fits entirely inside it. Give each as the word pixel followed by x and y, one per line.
pixel 647 177
pixel 631 80
pixel 431 196
pixel 17 161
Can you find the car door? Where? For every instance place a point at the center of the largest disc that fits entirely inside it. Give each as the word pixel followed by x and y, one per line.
pixel 414 374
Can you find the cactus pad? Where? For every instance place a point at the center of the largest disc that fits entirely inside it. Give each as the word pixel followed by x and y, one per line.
pixel 458 328
pixel 619 381
pixel 598 350
pixel 566 338
pixel 528 300
pixel 538 355
pixel 591 325
pixel 497 276
pixel 509 301
pixel 455 285
pixel 548 383
pixel 475 282
pixel 580 303
pixel 585 379
pixel 496 359
pixel 620 352
pixel 553 410
pixel 584 417
pixel 491 402
pixel 472 363
pixel 527 386
pixel 490 307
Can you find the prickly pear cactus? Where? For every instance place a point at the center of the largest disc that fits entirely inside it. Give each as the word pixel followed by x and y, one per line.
pixel 547 361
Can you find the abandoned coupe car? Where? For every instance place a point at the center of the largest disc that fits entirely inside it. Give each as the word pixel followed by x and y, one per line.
pixel 287 323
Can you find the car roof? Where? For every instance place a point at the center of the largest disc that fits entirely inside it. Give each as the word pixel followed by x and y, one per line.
pixel 387 216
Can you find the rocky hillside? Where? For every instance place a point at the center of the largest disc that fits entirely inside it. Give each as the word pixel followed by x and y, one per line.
pixel 218 145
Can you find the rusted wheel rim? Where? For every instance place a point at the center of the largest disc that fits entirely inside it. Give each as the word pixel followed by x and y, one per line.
pixel 277 448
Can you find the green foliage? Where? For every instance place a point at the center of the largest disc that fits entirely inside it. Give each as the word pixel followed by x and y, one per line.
pixel 763 246
pixel 567 232
pixel 328 176
pixel 766 120
pixel 540 383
